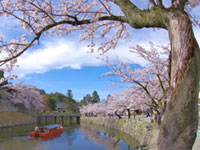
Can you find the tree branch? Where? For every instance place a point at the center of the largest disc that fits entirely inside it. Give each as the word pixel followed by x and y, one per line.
pixel 162 86
pixel 160 3
pixel 153 3
pixel 179 3
pixel 49 26
pixel 138 18
pixel 134 16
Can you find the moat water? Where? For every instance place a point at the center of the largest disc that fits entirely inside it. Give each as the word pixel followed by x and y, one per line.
pixel 76 137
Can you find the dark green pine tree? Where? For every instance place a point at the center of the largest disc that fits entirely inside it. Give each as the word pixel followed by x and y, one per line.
pixel 69 94
pixel 86 99
pixel 95 97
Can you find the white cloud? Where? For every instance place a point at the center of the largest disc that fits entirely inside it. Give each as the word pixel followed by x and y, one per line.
pixel 55 54
pixel 60 53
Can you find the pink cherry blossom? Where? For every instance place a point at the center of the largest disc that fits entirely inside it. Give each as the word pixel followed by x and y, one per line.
pixel 23 94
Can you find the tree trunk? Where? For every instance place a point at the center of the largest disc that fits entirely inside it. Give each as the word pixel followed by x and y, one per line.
pixel 159 119
pixel 178 129
pixel 118 115
pixel 134 114
pixel 129 113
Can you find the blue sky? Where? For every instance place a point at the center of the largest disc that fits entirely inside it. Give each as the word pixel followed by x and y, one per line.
pixel 81 81
pixel 59 64
pixel 62 63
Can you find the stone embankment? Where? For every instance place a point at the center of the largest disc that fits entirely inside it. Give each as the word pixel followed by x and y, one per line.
pixel 6 105
pixel 15 124
pixel 143 131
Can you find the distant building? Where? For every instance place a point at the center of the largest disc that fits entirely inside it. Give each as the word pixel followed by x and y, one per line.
pixel 60 106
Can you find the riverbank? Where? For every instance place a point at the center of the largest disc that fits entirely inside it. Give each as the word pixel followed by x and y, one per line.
pixel 13 119
pixel 144 131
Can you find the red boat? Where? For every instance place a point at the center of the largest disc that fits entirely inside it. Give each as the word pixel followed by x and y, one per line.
pixel 47 131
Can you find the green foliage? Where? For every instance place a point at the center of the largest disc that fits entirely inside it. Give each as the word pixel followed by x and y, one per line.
pixel 58 96
pixel 71 106
pixel 88 99
pixel 95 97
pixel 60 101
pixel 52 103
pixel 53 97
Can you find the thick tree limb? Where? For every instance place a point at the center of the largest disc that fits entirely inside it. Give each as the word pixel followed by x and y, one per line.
pixel 138 18
pixel 179 3
pixel 49 26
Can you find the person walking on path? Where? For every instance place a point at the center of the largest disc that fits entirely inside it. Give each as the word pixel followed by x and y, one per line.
pixel 147 112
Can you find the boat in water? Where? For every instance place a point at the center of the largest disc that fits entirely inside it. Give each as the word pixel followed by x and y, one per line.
pixel 47 131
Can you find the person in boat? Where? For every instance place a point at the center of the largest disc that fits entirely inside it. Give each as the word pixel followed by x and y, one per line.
pixel 36 129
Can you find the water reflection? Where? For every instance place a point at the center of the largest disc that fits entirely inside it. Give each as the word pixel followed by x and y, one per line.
pixel 112 139
pixel 70 134
pixel 73 138
pixel 109 142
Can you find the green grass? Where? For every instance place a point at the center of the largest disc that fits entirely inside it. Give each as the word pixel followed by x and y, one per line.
pixel 14 117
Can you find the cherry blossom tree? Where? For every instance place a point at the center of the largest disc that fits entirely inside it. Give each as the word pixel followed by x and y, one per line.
pixel 98 18
pixel 150 87
pixel 114 107
pixel 131 100
pixel 23 94
pixel 93 109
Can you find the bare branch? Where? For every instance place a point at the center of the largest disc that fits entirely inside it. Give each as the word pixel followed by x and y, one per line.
pixel 105 7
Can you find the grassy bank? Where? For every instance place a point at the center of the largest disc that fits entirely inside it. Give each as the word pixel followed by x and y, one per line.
pixel 12 118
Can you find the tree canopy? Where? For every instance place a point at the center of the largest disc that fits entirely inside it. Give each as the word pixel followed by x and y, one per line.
pixel 88 99
pixel 111 20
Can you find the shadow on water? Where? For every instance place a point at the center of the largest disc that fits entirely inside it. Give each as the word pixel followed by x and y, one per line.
pixel 74 137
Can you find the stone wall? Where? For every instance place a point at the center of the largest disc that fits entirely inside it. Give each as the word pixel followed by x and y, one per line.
pixel 6 105
pixel 140 130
